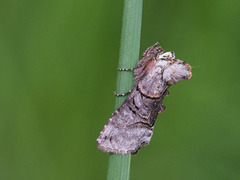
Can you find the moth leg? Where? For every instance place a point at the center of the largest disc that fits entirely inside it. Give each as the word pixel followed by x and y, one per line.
pixel 122 69
pixel 149 49
pixel 123 93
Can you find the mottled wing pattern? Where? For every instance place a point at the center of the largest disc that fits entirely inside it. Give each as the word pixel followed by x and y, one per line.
pixel 131 126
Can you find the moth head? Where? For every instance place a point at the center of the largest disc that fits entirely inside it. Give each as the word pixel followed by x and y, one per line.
pixel 176 70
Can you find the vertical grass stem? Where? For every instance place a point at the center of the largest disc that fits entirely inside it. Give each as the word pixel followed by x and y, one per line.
pixel 119 165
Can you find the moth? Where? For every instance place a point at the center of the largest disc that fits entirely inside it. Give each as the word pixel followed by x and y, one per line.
pixel 131 125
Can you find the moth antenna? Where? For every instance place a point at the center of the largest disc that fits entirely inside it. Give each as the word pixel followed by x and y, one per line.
pixel 195 67
pixel 129 69
pixel 116 94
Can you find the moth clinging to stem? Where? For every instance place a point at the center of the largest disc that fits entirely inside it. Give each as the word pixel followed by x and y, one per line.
pixel 131 125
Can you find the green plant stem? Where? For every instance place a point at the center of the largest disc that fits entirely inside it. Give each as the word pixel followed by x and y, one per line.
pixel 119 165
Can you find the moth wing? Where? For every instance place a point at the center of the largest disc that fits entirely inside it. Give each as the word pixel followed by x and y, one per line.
pixel 124 133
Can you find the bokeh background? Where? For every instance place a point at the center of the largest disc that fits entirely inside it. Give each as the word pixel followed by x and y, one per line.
pixel 58 62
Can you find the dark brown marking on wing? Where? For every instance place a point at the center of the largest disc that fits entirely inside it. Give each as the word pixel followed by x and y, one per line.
pixel 151 97
pixel 134 112
pixel 134 103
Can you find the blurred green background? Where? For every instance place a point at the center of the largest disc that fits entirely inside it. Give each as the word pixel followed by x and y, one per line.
pixel 58 62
